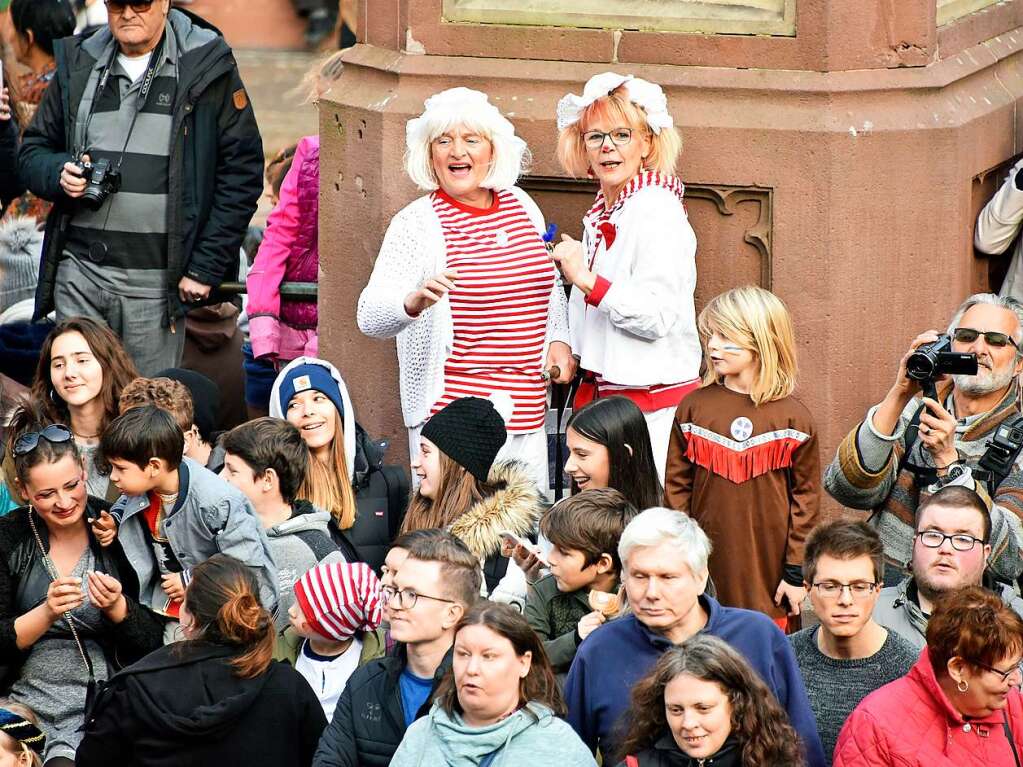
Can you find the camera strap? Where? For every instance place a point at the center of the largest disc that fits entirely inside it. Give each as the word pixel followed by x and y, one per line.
pixel 140 102
pixel 1001 453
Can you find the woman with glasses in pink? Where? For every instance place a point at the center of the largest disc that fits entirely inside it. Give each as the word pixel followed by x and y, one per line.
pixel 632 318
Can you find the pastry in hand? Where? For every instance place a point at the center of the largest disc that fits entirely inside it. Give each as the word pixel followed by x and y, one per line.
pixel 605 603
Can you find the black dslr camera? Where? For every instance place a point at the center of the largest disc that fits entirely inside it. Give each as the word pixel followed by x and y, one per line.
pixel 101 181
pixel 931 361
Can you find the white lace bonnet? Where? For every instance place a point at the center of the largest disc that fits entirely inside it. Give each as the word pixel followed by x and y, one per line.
pixel 642 93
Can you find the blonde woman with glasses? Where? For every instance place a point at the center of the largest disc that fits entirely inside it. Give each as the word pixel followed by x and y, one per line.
pixel 631 312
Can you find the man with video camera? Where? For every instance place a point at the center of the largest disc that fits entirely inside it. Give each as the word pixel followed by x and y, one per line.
pixel 148 146
pixel 969 434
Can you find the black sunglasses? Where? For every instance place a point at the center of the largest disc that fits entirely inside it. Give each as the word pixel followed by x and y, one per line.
pixel 991 337
pixel 29 441
pixel 118 6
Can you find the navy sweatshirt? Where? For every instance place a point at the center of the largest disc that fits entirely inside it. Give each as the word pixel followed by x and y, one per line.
pixel 617 655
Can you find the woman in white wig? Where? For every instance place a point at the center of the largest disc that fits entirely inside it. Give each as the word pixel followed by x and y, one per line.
pixel 631 309
pixel 464 281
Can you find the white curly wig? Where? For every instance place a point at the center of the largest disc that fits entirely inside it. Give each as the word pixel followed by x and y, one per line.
pixel 465 108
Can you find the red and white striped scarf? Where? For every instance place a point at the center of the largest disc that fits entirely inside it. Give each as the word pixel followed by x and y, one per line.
pixel 600 218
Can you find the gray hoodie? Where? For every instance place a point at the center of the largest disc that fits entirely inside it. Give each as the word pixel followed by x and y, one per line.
pixel 532 735
pixel 299 544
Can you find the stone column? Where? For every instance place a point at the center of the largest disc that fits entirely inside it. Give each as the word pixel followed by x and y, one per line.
pixel 841 165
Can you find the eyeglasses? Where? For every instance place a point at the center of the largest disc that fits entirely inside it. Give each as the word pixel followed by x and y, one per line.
pixel 118 6
pixel 29 441
pixel 1017 669
pixel 594 139
pixel 834 589
pixel 933 539
pixel 991 337
pixel 406 598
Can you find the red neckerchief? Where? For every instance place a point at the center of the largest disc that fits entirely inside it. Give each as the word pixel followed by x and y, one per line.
pixel 600 218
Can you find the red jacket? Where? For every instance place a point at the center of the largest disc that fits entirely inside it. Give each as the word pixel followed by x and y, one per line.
pixel 911 722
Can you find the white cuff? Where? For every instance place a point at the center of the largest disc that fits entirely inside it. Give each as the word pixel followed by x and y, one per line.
pixel 900 430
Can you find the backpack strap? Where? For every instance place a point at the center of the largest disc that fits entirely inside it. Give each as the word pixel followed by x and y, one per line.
pixel 631 761
pixel 912 432
pixel 318 542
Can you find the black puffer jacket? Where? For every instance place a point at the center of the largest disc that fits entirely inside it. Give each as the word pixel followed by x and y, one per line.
pixel 139 633
pixel 369 721
pixel 184 705
pixel 215 174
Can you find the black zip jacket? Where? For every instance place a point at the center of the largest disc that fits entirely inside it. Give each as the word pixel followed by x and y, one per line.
pixel 369 721
pixel 215 176
pixel 185 705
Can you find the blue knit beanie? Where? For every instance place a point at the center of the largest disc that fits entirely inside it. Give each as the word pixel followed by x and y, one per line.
pixel 310 377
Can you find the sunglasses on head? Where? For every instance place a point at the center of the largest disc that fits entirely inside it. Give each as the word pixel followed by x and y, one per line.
pixel 991 337
pixel 118 6
pixel 29 441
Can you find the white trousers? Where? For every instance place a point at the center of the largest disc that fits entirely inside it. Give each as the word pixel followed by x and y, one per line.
pixel 659 423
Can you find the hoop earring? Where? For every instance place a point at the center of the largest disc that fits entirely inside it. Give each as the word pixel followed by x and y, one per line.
pixel 53 396
pixel 963 685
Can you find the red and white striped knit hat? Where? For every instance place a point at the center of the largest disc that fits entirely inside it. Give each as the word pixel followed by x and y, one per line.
pixel 339 599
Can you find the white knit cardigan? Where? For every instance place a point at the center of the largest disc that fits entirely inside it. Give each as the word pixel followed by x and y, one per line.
pixel 414 250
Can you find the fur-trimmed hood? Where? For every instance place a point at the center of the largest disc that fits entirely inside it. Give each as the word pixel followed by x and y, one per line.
pixel 516 507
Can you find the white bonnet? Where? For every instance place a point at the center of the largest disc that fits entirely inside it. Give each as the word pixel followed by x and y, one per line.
pixel 643 93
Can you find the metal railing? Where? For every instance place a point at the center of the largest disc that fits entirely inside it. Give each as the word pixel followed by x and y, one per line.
pixel 293 291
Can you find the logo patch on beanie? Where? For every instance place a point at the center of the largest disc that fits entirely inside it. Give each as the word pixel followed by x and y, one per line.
pixel 302 383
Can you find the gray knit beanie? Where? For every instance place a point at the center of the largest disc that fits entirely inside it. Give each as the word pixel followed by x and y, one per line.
pixel 21 243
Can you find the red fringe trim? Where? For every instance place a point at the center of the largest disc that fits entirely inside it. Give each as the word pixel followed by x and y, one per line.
pixel 740 467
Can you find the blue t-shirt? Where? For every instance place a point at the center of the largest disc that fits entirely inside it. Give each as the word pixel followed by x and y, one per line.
pixel 414 692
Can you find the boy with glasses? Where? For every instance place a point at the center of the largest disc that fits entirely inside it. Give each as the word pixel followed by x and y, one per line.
pixel 950 551
pixel 431 591
pixel 849 650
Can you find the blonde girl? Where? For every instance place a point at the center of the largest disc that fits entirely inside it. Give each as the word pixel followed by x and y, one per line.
pixel 743 459
pixel 21 741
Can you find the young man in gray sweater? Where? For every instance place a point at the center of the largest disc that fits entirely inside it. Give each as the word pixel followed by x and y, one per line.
pixel 267 459
pixel 848 655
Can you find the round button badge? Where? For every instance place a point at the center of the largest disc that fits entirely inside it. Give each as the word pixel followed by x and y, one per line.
pixel 742 429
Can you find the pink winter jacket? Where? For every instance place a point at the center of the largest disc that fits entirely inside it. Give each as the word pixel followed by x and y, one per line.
pixel 289 253
pixel 911 722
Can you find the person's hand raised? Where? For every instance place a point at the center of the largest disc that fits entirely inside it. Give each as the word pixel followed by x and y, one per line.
pixel 430 292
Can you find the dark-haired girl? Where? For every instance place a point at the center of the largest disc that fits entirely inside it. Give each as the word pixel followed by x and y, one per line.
pixel 499 703
pixel 609 446
pixel 217 698
pixel 68 607
pixel 703 705
pixel 82 369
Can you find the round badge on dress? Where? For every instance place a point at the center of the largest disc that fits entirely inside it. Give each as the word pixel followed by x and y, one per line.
pixel 742 429
pixel 502 238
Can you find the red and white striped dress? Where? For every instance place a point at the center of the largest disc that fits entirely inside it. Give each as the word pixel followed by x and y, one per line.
pixel 499 305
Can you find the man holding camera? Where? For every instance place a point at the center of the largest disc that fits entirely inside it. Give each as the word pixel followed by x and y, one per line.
pixel 148 146
pixel 971 435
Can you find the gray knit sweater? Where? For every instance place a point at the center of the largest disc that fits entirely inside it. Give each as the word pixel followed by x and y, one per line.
pixel 836 686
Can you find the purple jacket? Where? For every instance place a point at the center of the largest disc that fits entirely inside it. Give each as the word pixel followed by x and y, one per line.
pixel 289 253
